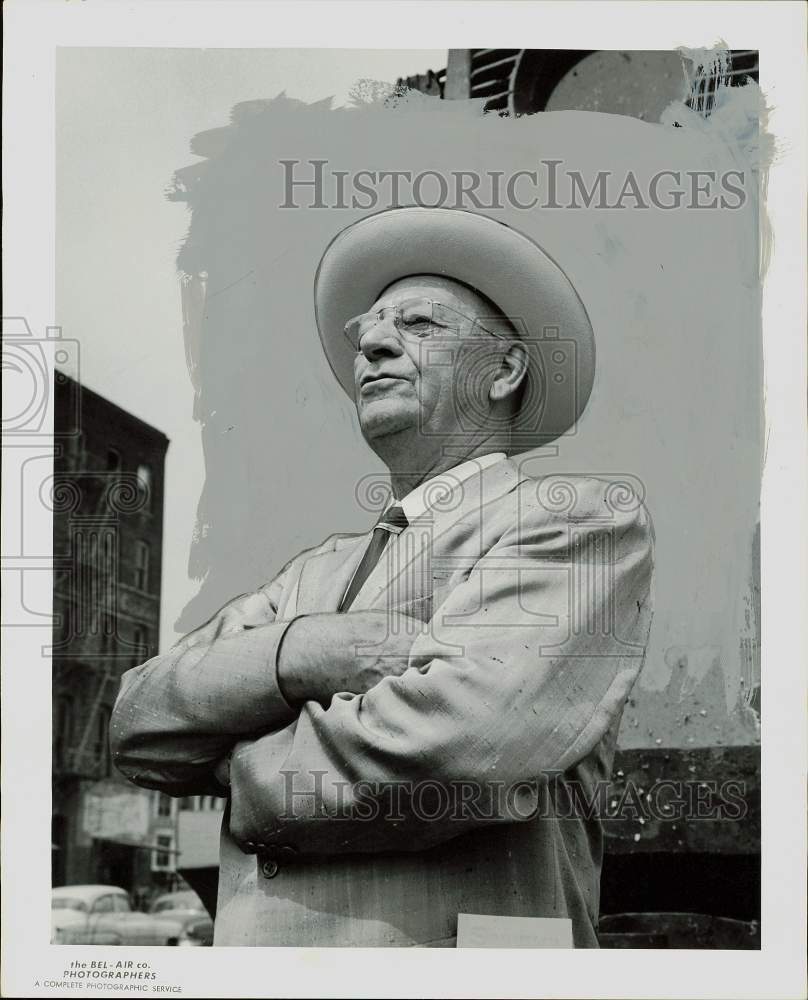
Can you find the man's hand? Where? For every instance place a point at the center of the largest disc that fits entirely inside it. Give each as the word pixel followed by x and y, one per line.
pixel 242 612
pixel 323 654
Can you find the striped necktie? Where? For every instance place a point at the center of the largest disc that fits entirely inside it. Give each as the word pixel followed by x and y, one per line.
pixel 392 522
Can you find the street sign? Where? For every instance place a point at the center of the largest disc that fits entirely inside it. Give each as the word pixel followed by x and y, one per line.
pixel 113 811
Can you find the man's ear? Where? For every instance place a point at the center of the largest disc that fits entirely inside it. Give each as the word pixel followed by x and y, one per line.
pixel 511 374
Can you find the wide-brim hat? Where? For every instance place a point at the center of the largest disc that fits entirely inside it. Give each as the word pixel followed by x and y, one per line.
pixel 511 269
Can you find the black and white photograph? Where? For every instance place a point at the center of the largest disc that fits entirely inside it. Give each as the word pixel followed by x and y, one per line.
pixel 404 526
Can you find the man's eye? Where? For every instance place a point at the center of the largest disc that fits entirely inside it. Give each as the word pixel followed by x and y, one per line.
pixel 415 320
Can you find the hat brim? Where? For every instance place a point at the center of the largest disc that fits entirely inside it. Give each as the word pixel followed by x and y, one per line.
pixel 503 264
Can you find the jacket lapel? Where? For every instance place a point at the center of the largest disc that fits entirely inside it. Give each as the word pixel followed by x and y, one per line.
pixel 325 577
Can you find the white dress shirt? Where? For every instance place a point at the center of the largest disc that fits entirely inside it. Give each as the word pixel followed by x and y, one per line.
pixel 417 501
pixel 439 488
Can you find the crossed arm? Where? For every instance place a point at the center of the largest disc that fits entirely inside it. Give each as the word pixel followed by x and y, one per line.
pixel 242 674
pixel 325 713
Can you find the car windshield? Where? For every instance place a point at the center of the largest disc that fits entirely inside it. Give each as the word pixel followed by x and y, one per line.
pixel 66 903
pixel 177 901
pixel 173 904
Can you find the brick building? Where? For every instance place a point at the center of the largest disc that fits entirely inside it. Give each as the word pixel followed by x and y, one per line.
pixel 107 497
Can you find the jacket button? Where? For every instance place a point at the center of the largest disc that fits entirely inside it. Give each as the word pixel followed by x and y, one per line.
pixel 269 868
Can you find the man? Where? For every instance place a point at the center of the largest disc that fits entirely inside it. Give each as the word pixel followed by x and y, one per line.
pixel 406 722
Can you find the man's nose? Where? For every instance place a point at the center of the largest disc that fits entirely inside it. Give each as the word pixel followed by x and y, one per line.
pixel 381 340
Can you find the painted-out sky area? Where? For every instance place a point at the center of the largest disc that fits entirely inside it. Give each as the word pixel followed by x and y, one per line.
pixel 673 295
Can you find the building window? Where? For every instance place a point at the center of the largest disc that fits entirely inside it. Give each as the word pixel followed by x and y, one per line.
pixel 101 747
pixel 64 619
pixel 163 855
pixel 109 553
pixel 140 640
pixel 109 624
pixel 75 455
pixel 64 723
pixel 109 567
pixel 163 805
pixel 142 565
pixel 146 486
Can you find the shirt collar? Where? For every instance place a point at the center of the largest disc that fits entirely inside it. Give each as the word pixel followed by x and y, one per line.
pixel 417 501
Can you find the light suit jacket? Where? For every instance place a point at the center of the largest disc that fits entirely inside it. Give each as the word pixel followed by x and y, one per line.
pixel 461 785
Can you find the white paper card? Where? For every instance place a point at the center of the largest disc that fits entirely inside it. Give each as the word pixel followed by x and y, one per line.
pixel 478 930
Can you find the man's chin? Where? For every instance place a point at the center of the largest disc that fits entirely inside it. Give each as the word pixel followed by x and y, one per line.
pixel 378 420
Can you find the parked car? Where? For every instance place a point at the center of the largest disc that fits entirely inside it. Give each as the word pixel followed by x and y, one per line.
pixel 186 907
pixel 183 899
pixel 102 914
pixel 197 931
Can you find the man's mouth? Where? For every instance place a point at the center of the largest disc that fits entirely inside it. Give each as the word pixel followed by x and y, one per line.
pixel 377 383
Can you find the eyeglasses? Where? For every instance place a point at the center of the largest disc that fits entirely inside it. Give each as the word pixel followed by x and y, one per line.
pixel 415 320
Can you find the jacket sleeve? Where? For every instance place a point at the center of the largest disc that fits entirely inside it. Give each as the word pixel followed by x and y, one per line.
pixel 525 667
pixel 179 713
